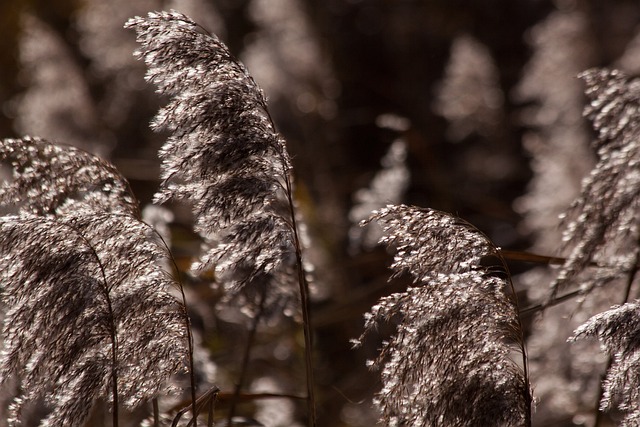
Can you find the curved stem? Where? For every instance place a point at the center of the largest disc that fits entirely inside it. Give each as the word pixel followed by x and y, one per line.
pixel 302 280
pixel 113 332
pixel 114 362
pixel 187 320
pixel 304 301
pixel 523 349
pixel 245 358
pixel 212 393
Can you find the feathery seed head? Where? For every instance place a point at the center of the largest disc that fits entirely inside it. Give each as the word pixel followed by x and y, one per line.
pixel 86 296
pixel 224 157
pixel 601 224
pixel 448 362
pixel 618 330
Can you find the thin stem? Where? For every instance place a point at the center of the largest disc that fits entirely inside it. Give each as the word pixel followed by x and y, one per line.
pixel 156 412
pixel 540 259
pixel 200 402
pixel 302 282
pixel 246 356
pixel 555 301
pixel 187 322
pixel 212 404
pixel 531 257
pixel 112 330
pixel 523 349
pixel 114 357
pixel 304 300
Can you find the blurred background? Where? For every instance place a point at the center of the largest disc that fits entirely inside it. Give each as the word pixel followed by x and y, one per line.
pixel 471 107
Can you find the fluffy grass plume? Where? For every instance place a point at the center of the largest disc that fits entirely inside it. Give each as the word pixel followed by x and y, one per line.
pixel 448 363
pixel 224 157
pixel 601 225
pixel 618 330
pixel 88 310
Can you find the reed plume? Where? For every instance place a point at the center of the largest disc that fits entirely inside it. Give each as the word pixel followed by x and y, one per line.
pixel 448 363
pixel 601 224
pixel 226 159
pixel 88 314
pixel 618 330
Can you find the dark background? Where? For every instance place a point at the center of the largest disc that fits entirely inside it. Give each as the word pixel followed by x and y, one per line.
pixel 480 126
